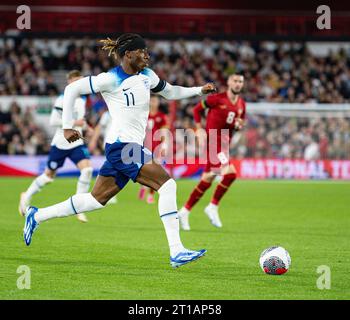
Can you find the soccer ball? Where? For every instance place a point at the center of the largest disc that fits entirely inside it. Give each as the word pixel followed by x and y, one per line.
pixel 275 260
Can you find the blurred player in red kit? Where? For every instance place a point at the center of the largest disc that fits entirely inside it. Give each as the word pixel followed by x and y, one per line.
pixel 226 113
pixel 155 140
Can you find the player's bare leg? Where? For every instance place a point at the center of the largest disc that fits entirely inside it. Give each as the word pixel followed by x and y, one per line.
pixel 35 187
pixel 84 180
pixel 197 193
pixel 154 176
pixel 104 189
pixel 229 175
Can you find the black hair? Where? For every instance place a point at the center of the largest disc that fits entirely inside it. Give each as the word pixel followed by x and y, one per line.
pixel 119 46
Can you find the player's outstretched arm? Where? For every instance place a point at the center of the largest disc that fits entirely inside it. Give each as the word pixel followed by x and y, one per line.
pixel 171 92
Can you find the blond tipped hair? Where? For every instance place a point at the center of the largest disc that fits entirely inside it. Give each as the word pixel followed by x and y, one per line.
pixel 110 46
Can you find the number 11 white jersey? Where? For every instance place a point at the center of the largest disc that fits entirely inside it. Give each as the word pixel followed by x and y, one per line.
pixel 127 98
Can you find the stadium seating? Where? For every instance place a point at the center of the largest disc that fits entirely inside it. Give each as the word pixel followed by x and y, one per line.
pixel 274 72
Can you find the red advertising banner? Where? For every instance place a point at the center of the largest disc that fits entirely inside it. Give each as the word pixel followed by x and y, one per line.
pixel 246 168
pixel 292 169
pixel 277 169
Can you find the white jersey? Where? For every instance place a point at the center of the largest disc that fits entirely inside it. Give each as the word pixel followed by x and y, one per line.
pixel 127 98
pixel 59 140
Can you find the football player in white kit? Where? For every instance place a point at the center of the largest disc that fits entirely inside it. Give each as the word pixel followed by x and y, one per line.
pixel 104 124
pixel 126 90
pixel 101 128
pixel 62 149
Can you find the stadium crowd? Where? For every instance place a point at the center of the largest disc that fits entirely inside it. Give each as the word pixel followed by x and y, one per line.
pixel 274 72
pixel 19 134
pixel 294 138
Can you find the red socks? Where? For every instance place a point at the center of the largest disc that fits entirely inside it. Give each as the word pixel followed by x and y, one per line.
pixel 222 187
pixel 197 193
pixel 203 186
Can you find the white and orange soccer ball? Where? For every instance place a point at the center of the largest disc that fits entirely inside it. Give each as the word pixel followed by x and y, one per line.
pixel 275 260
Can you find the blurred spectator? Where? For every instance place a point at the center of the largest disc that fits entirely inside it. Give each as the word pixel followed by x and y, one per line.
pixel 312 150
pixel 275 72
pixel 20 135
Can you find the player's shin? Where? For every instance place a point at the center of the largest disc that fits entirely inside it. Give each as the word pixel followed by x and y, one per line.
pixel 168 212
pixel 83 184
pixel 197 193
pixel 82 202
pixel 222 187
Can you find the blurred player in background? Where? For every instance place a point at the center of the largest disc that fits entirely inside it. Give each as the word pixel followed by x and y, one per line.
pixel 62 149
pixel 126 90
pixel 157 121
pixel 225 110
pixel 102 128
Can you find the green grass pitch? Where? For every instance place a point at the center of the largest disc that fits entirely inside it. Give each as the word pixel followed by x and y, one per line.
pixel 122 252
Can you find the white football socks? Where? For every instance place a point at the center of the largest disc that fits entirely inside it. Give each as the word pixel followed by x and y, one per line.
pixel 212 206
pixel 82 202
pixel 83 184
pixel 168 212
pixel 36 186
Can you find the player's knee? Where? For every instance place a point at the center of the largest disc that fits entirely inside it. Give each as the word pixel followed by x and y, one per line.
pixel 49 175
pixel 47 178
pixel 208 177
pixel 86 173
pixel 168 187
pixel 229 169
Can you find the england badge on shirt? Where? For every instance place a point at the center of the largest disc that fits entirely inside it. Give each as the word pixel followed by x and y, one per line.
pixel 146 83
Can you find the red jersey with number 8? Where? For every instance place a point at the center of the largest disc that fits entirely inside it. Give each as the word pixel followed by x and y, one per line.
pixel 220 125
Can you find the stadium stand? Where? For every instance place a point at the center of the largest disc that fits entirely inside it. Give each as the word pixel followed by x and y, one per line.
pixel 274 72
